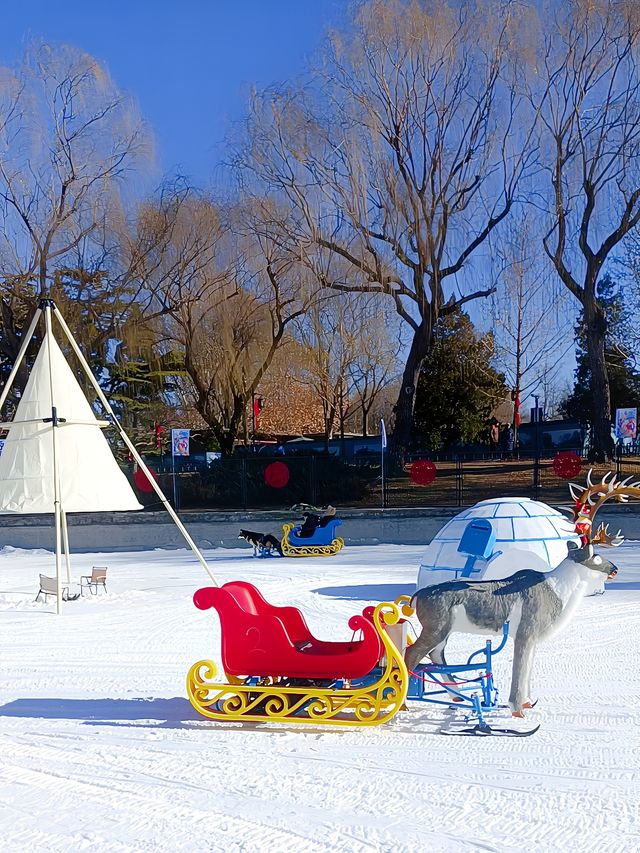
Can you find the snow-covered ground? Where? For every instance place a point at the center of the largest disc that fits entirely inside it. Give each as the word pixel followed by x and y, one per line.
pixel 101 751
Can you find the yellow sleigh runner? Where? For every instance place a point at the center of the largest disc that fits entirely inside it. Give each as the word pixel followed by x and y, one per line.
pixel 276 670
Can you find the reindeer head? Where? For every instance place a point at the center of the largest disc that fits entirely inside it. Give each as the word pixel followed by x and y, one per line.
pixel 589 500
pixel 594 562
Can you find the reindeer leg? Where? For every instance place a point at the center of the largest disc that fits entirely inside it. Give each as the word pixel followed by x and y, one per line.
pixel 426 644
pixel 523 649
pixel 527 679
pixel 437 653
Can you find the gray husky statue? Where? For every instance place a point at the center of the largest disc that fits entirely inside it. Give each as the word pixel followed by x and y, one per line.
pixel 535 604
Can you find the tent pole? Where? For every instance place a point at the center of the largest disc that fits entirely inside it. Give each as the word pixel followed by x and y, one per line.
pixel 65 540
pixel 58 555
pixel 26 340
pixel 56 483
pixel 131 447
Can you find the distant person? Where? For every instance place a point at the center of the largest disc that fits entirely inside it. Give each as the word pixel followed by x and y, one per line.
pixel 329 513
pixel 310 523
pixel 506 440
pixel 494 436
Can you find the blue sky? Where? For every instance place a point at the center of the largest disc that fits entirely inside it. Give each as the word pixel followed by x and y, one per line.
pixel 189 63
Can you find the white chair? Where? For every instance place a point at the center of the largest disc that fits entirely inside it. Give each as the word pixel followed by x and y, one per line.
pixel 48 586
pixel 97 578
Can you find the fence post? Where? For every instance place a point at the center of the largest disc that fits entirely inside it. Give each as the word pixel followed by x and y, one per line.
pixel 536 477
pixel 243 484
pixel 459 481
pixel 385 492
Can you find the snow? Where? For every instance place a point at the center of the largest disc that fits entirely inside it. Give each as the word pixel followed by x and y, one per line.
pixel 101 751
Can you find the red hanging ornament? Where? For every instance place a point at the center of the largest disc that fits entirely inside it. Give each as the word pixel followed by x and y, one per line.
pixel 276 475
pixel 158 431
pixel 423 472
pixel 567 464
pixel 142 481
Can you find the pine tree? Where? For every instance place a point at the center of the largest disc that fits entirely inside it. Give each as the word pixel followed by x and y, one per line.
pixel 457 387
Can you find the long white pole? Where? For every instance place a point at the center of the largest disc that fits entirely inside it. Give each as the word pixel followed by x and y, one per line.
pixel 56 484
pixel 65 540
pixel 26 340
pixel 132 448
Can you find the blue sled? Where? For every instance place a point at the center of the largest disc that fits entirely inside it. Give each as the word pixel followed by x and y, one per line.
pixel 322 543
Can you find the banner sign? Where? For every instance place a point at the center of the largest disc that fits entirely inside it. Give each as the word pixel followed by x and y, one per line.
pixel 180 442
pixel 626 423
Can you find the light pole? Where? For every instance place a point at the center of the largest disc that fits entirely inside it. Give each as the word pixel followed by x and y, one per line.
pixel 536 464
pixel 253 422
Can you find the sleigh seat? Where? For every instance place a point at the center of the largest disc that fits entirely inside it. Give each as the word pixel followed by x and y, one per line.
pixel 320 536
pixel 260 639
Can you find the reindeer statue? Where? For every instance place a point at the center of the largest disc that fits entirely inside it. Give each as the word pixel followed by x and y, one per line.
pixel 535 604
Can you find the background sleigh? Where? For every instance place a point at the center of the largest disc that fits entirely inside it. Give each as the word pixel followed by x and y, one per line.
pixel 322 543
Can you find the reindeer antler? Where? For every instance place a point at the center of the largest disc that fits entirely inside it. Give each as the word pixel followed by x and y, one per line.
pixel 603 537
pixel 589 500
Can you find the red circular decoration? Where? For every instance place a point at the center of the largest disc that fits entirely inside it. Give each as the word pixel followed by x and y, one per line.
pixel 141 480
pixel 567 464
pixel 423 472
pixel 276 475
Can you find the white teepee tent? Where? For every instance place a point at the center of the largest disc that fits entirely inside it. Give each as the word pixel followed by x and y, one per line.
pixel 90 479
pixel 55 458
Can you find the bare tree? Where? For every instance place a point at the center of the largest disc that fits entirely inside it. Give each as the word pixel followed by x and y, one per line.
pixel 530 309
pixel 407 164
pixel 68 137
pixel 585 85
pixel 330 342
pixel 376 365
pixel 225 296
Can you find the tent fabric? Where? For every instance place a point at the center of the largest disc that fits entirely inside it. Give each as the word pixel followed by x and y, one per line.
pixel 89 476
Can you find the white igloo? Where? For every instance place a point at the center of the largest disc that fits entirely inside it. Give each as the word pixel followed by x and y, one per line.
pixel 528 535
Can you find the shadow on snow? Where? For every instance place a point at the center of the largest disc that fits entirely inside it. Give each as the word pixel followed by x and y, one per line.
pixel 368 592
pixel 170 710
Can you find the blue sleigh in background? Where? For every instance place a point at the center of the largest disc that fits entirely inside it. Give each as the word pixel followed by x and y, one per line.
pixel 323 542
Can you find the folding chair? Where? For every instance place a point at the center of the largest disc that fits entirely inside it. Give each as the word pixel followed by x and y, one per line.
pixel 48 586
pixel 97 578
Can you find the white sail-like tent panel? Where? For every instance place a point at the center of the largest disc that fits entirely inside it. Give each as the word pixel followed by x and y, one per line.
pixel 55 458
pixel 92 480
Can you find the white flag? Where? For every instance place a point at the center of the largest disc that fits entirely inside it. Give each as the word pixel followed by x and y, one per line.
pixel 383 434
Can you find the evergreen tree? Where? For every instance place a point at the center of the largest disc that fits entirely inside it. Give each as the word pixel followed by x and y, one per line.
pixel 624 381
pixel 457 387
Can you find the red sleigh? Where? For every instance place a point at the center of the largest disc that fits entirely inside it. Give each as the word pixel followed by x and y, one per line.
pixel 259 639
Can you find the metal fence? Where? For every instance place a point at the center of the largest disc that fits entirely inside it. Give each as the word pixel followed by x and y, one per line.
pixel 245 484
